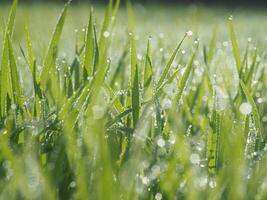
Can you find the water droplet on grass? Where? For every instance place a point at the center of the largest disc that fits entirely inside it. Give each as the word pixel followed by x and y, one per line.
pixel 166 104
pixel 260 100
pixel 195 159
pixel 158 196
pixel 225 43
pixel 172 139
pixel 106 34
pixel 161 142
pixel 155 171
pixel 145 180
pixel 189 33
pixel 212 183
pixel 245 108
pixel 72 184
pixel 203 182
pixel 13 106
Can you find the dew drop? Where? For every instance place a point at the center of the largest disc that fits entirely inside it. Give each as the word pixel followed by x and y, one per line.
pixel 158 196
pixel 161 142
pixel 166 104
pixel 172 139
pixel 194 158
pixel 72 184
pixel 189 33
pixel 13 106
pixel 225 44
pixel 106 34
pixel 245 108
pixel 203 182
pixel 212 184
pixel 145 180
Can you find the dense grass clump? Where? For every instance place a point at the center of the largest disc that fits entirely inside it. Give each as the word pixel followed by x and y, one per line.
pixel 184 124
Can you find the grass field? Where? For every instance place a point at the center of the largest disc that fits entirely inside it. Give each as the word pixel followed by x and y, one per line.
pixel 137 102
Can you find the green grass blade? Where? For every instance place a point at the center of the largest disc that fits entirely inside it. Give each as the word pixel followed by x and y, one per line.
pixel 51 54
pixel 119 107
pixel 89 47
pixel 105 27
pixel 16 90
pixel 212 47
pixel 11 19
pixel 31 56
pixel 5 83
pixel 213 143
pixel 130 15
pixel 255 111
pixel 252 70
pixel 169 63
pixel 148 67
pixel 236 50
pixel 185 77
pixel 134 82
pixel 119 117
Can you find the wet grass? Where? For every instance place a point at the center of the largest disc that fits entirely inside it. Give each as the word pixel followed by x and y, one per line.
pixel 120 104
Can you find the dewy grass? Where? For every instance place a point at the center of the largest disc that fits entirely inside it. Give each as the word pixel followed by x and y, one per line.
pixel 131 121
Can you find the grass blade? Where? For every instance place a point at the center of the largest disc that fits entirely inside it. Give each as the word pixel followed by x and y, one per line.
pixel 51 54
pixel 255 111
pixel 169 63
pixel 185 77
pixel 236 50
pixel 134 82
pixel 5 81
pixel 89 47
pixel 16 90
pixel 12 15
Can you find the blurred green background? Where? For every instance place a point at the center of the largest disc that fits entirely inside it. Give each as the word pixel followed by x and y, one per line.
pixel 230 2
pixel 165 22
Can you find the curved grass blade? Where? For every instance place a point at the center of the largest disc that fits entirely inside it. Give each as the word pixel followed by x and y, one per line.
pixel 130 15
pixel 185 77
pixel 119 117
pixel 31 56
pixel 112 95
pixel 12 15
pixel 5 81
pixel 51 54
pixel 169 63
pixel 212 47
pixel 236 50
pixel 16 90
pixel 4 74
pixel 255 111
pixel 89 47
pixel 252 70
